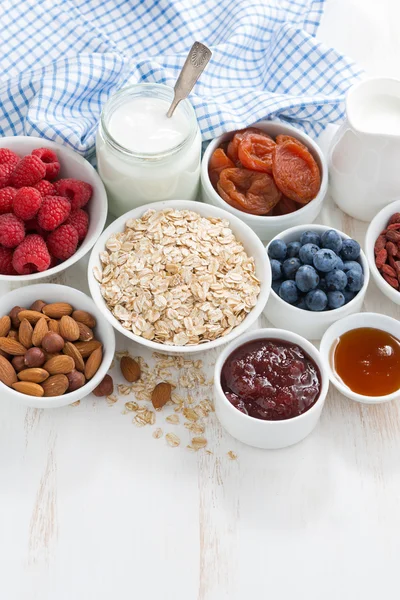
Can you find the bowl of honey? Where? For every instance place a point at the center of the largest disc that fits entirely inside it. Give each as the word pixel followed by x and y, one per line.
pixel 361 354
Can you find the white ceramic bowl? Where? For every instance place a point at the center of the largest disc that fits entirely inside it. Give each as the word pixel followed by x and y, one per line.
pixel 378 224
pixel 25 296
pixel 309 324
pixel 268 434
pixel 328 342
pixel 75 166
pixel 268 227
pixel 244 234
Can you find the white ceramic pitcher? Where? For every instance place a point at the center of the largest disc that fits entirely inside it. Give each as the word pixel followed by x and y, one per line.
pixel 364 158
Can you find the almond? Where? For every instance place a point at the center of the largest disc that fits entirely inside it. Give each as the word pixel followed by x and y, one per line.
pixel 56 385
pixel 28 388
pixel 84 317
pixel 13 335
pixel 7 372
pixel 54 325
pixel 69 329
pixel 130 369
pixel 59 364
pixel 33 316
pixel 34 375
pixel 86 348
pixel 11 346
pixel 93 363
pixel 85 333
pixel 39 332
pixel 70 350
pixel 161 395
pixel 25 333
pixel 5 326
pixel 57 310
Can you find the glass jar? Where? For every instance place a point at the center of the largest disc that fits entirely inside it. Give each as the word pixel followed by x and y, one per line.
pixel 133 178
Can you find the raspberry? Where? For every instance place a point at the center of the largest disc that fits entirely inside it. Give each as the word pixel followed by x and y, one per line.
pixel 8 161
pixel 6 256
pixel 54 211
pixel 80 220
pixel 63 242
pixel 45 188
pixel 31 256
pixel 5 174
pixel 32 226
pixel 29 170
pixel 49 158
pixel 27 203
pixel 78 192
pixel 12 230
pixel 7 196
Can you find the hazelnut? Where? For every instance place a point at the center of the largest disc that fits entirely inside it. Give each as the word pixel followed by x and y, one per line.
pixel 13 314
pixel 34 357
pixel 76 380
pixel 52 342
pixel 105 388
pixel 38 305
pixel 18 362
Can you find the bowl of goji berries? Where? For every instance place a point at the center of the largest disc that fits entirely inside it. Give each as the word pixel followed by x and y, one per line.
pixel 53 207
pixel 382 247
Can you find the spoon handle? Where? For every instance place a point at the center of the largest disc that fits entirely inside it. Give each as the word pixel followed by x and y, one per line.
pixel 195 63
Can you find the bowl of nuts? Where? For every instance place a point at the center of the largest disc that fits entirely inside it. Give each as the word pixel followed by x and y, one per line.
pixel 55 347
pixel 382 247
pixel 180 276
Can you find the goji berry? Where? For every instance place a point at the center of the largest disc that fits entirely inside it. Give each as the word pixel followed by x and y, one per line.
pixel 391 281
pixel 391 249
pixel 381 258
pixel 389 270
pixel 380 243
pixel 393 236
pixel 395 218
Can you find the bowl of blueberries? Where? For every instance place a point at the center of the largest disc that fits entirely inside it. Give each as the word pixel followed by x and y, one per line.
pixel 319 275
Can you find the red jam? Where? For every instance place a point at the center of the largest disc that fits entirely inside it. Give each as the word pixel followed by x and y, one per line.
pixel 271 380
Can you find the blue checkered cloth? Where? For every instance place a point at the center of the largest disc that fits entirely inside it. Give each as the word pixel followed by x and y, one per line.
pixel 62 59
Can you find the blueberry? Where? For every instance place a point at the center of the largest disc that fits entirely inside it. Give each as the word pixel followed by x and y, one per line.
pixel 293 249
pixel 301 303
pixel 336 280
pixel 325 260
pixel 336 299
pixel 310 237
pixel 332 240
pixel 276 269
pixel 339 263
pixel 288 292
pixel 306 253
pixel 355 280
pixel 348 295
pixel 322 284
pixel 276 285
pixel 290 267
pixel 316 300
pixel 307 278
pixel 277 249
pixel 352 264
pixel 350 250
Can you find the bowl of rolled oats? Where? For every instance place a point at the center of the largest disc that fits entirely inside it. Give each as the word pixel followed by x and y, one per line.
pixel 180 276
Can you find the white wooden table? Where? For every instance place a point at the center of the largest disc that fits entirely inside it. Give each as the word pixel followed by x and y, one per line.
pixel 92 507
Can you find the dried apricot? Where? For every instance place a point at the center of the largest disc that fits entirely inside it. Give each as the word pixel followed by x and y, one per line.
pixel 233 146
pixel 218 162
pixel 281 139
pixel 285 206
pixel 248 191
pixel 295 172
pixel 255 152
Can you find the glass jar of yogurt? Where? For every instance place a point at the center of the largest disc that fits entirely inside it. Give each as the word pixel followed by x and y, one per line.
pixel 142 155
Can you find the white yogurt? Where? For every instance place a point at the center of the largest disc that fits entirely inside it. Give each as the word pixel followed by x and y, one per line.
pixel 159 158
pixel 379 113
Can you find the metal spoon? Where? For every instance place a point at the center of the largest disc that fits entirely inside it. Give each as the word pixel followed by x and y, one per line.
pixel 195 64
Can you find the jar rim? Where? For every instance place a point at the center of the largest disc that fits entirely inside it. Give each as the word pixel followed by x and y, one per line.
pixel 141 89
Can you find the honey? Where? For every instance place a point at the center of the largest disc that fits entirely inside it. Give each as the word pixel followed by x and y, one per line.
pixel 367 360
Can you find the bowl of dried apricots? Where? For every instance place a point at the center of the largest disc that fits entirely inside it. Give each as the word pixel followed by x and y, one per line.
pixel 271 175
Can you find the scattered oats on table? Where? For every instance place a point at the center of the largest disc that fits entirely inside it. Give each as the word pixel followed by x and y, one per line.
pixel 177 278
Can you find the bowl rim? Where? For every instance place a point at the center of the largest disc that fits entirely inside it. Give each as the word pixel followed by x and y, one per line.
pixel 325 350
pixel 102 207
pixel 118 225
pixel 369 244
pixel 102 371
pixel 335 311
pixel 264 219
pixel 271 333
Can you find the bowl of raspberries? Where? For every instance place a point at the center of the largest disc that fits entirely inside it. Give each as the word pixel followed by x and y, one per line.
pixel 319 275
pixel 53 207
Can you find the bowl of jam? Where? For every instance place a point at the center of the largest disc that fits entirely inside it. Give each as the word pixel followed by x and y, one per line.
pixel 362 356
pixel 270 388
